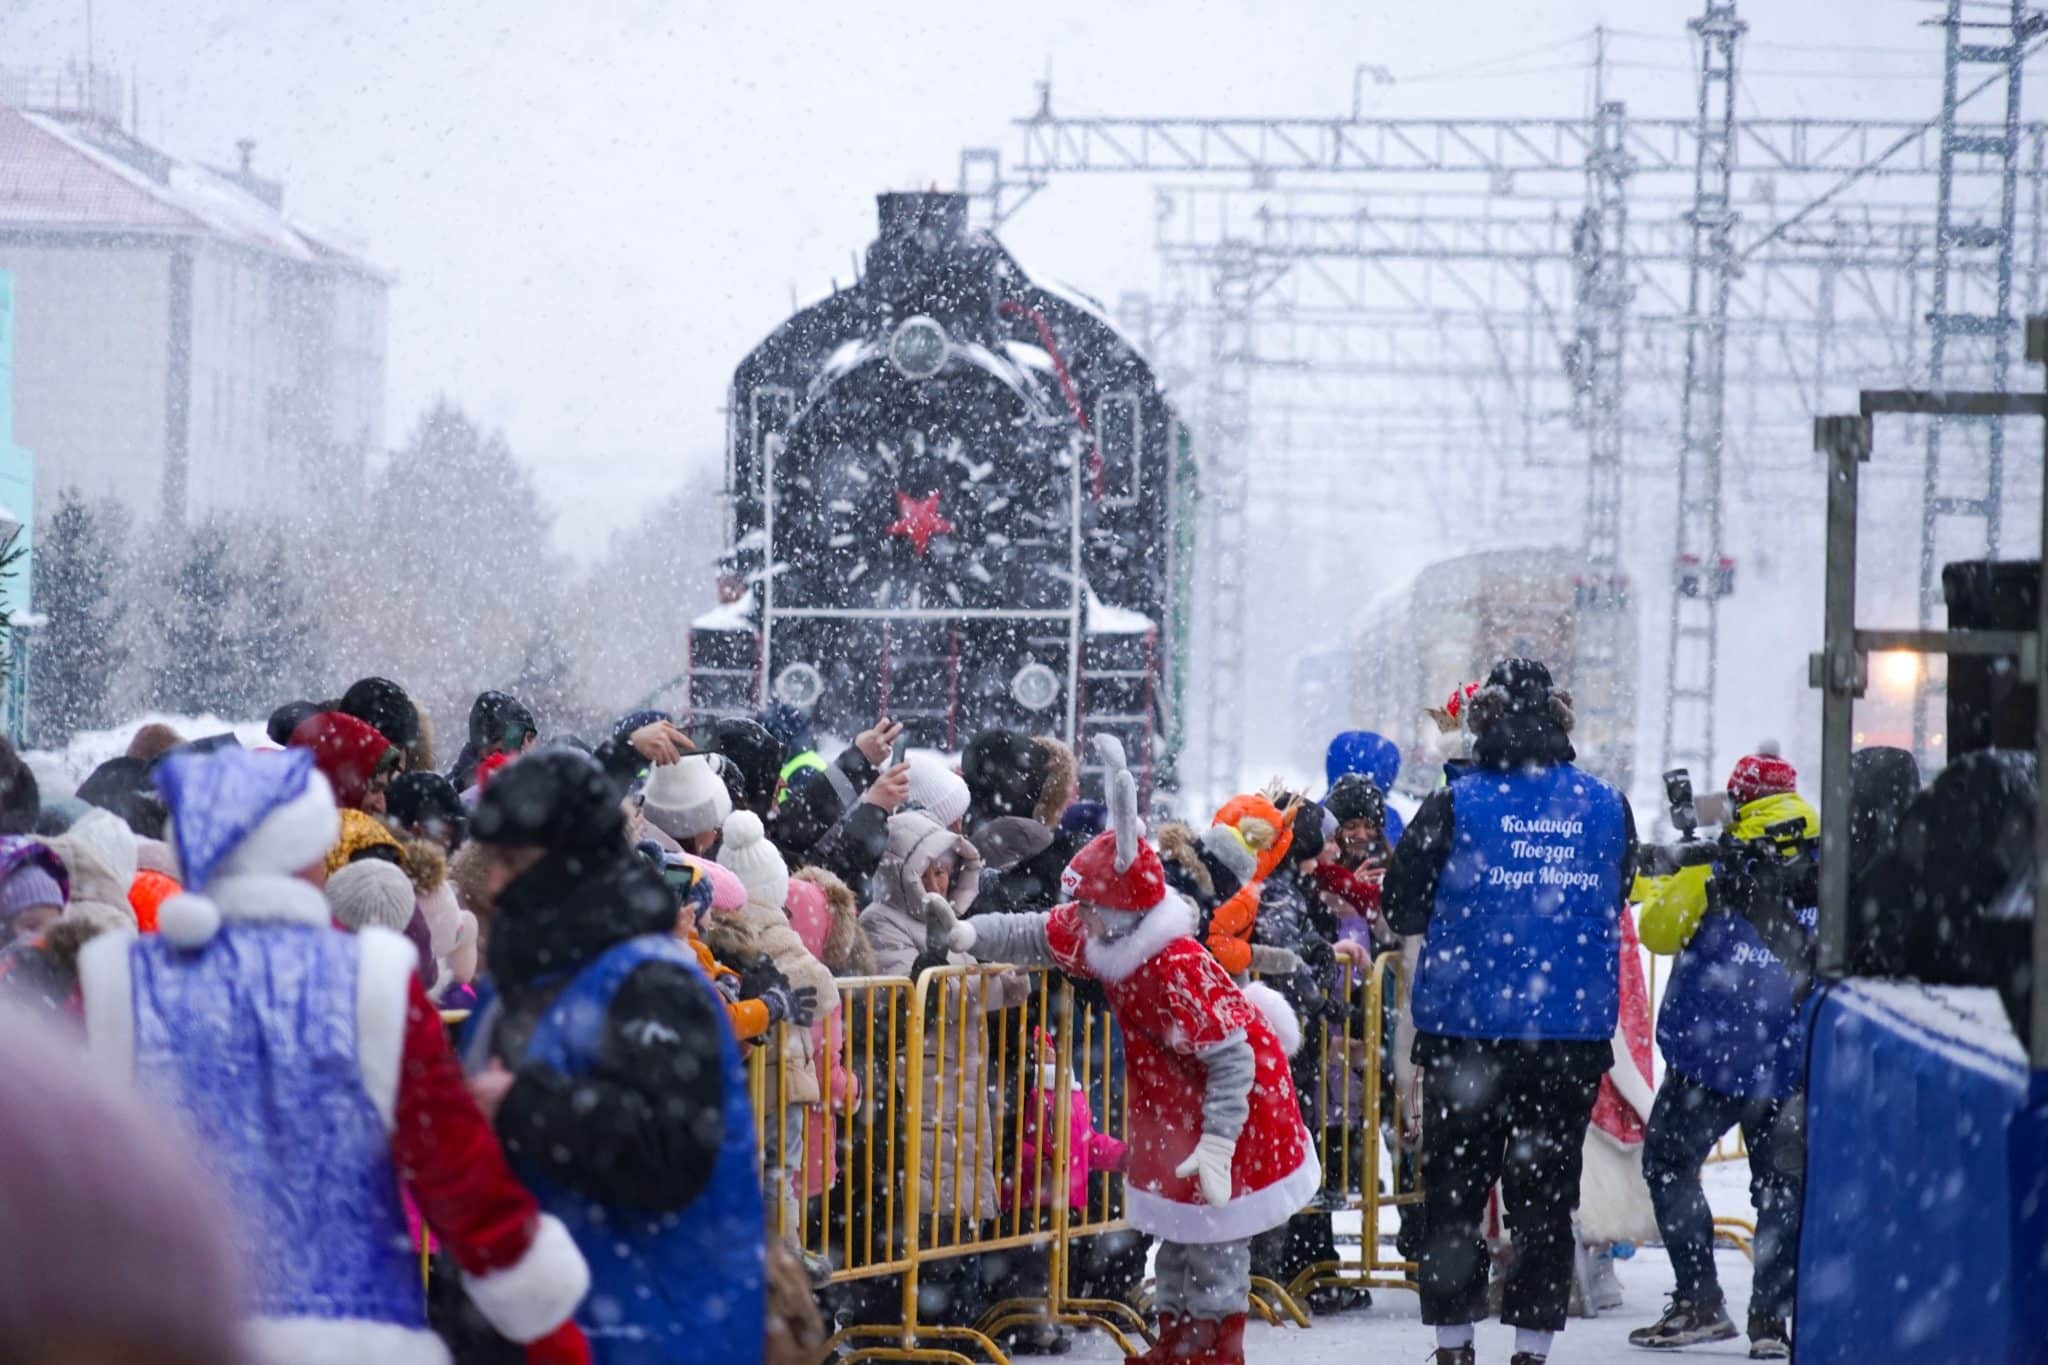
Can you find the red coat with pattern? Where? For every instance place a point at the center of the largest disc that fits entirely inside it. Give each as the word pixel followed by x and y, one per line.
pixel 1174 1002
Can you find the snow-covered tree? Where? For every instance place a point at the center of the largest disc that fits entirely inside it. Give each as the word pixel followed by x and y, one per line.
pixel 199 666
pixel 77 652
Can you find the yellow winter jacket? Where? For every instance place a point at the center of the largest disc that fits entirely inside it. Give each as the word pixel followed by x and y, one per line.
pixel 1673 906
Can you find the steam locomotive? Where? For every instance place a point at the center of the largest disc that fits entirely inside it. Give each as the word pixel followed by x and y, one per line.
pixel 956 497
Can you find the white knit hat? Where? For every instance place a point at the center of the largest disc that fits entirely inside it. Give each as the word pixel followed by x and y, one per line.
pixel 686 798
pixel 370 892
pixel 758 864
pixel 937 790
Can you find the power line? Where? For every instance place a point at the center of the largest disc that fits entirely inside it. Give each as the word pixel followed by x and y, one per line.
pixel 1904 141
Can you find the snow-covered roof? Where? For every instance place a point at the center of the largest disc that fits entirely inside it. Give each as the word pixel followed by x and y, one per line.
pixel 66 174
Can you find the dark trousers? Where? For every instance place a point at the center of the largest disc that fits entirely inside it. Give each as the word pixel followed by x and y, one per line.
pixel 1517 1114
pixel 1685 1123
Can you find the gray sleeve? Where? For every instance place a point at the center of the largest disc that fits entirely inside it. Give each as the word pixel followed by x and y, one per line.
pixel 1016 939
pixel 1227 1097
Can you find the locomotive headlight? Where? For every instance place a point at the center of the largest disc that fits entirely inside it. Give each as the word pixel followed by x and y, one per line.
pixel 918 348
pixel 1035 687
pixel 800 685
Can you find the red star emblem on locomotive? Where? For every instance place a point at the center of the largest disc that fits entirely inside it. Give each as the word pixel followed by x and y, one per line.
pixel 918 520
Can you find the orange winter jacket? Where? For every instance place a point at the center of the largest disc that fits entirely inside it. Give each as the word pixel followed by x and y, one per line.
pixel 1268 833
pixel 749 1017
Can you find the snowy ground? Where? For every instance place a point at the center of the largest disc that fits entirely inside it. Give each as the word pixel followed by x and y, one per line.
pixel 1392 1329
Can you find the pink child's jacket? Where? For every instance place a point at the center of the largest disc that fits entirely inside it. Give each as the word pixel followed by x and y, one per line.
pixel 1088 1150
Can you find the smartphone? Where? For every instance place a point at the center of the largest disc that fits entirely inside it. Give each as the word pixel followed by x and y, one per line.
pixel 900 749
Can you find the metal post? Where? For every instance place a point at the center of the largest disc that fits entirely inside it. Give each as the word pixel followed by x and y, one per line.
pixel 1959 256
pixel 1601 263
pixel 1838 671
pixel 2037 353
pixel 1692 646
pixel 1229 404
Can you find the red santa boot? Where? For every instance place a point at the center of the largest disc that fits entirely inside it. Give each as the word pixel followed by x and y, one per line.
pixel 1161 1351
pixel 1196 1343
pixel 1228 1346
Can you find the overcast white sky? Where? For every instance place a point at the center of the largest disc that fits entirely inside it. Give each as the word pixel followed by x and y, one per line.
pixel 596 209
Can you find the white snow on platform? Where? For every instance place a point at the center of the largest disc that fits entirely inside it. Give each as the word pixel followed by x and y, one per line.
pixel 1392 1329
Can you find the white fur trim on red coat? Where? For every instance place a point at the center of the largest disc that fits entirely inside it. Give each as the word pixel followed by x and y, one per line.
pixel 1280 1016
pixel 1113 959
pixel 536 1293
pixel 384 969
pixel 341 1341
pixel 1248 1215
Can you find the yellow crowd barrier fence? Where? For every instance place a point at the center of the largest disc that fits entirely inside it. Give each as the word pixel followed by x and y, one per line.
pixel 926 1122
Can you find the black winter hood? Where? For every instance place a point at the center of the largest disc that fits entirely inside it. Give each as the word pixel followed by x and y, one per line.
pixel 565 910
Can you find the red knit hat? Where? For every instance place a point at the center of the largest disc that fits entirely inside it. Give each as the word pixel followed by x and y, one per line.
pixel 1093 876
pixel 1760 775
pixel 348 751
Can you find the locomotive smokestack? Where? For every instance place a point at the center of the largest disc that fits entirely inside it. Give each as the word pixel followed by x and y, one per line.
pixel 929 219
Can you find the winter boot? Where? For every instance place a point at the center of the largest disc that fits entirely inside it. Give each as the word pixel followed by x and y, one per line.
pixel 1603 1286
pixel 1196 1342
pixel 1685 1324
pixel 1457 1355
pixel 1160 1352
pixel 1332 1299
pixel 1228 1348
pixel 1769 1339
pixel 1526 1358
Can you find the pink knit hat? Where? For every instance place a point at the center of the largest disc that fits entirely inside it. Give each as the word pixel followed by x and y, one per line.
pixel 728 892
pixel 810 914
pixel 109 1230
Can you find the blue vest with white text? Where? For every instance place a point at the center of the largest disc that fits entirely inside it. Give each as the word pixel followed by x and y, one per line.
pixel 253 1038
pixel 1525 939
pixel 1729 1020
pixel 665 1285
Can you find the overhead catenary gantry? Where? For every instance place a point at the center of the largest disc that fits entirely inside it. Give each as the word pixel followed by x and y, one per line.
pixel 1605 275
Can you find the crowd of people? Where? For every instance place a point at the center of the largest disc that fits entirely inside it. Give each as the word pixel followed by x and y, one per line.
pixel 271 942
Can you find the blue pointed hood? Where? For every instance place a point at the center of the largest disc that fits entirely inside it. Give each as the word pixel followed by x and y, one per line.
pixel 217 800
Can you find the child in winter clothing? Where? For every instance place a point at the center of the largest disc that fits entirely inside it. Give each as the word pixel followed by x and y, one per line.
pixel 1251 836
pixel 1088 1150
pixel 33 888
pixel 929 876
pixel 746 852
pixel 1204 1058
pixel 318 1078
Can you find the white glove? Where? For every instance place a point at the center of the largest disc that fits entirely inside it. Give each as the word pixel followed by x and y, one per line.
pixel 961 938
pixel 940 912
pixel 1209 1163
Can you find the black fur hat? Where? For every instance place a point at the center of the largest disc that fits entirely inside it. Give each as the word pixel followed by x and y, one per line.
pixel 1519 687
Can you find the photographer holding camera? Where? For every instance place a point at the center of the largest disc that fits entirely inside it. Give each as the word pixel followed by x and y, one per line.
pixel 1739 912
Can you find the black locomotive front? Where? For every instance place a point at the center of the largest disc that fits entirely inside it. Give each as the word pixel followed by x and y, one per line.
pixel 952 497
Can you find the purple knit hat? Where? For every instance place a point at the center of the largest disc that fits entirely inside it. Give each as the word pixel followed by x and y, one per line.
pixel 109 1230
pixel 30 875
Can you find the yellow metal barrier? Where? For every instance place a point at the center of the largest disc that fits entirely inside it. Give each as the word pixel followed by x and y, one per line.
pixel 1352 1152
pixel 891 1140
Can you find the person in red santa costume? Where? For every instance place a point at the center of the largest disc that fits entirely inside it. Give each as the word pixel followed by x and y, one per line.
pixel 1218 1152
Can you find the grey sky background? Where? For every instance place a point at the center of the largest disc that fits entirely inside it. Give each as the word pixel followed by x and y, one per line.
pixel 595 209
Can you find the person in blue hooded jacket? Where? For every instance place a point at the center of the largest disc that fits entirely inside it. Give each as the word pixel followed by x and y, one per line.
pixel 1734 1052
pixel 1514 873
pixel 607 1061
pixel 1369 755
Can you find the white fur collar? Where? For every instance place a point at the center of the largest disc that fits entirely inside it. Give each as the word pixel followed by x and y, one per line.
pixel 256 896
pixel 1113 959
